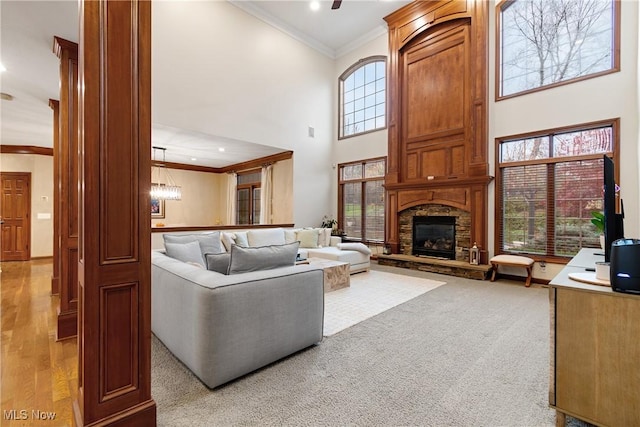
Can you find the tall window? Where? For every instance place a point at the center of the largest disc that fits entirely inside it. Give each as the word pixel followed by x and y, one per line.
pixel 361 199
pixel 248 198
pixel 362 97
pixel 550 42
pixel 547 186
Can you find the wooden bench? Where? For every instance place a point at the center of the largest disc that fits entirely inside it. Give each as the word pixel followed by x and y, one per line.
pixel 512 261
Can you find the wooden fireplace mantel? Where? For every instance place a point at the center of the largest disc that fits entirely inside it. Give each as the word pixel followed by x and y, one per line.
pixel 440 183
pixel 437 115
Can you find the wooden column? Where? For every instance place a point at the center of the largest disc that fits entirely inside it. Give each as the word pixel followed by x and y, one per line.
pixel 55 277
pixel 114 337
pixel 68 187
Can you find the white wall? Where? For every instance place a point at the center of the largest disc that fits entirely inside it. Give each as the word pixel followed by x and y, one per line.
pixel 223 72
pixel 610 96
pixel 41 168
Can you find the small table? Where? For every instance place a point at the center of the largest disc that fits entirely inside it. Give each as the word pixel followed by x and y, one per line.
pixel 336 273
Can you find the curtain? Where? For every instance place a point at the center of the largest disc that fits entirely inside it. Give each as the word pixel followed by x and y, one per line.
pixel 266 190
pixel 232 183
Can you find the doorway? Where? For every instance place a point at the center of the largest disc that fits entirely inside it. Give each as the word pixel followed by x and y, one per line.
pixel 15 216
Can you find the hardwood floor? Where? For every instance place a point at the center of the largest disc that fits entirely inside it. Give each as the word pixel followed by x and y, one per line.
pixel 39 376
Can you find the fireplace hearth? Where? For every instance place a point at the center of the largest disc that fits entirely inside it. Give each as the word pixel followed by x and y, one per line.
pixel 434 236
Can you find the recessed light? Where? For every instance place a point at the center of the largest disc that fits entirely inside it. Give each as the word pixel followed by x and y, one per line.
pixel 314 5
pixel 221 149
pixel 193 159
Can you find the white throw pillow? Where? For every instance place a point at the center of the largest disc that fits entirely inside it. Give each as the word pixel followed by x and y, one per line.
pixel 308 238
pixel 228 240
pixel 241 239
pixel 265 237
pixel 360 247
pixel 290 235
pixel 324 237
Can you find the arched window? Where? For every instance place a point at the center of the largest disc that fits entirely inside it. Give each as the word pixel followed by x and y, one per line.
pixel 363 92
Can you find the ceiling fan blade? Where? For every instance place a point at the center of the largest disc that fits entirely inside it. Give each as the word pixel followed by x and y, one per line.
pixel 336 4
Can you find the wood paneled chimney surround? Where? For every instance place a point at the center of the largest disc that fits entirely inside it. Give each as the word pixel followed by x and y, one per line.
pixel 437 112
pixel 65 158
pixel 114 328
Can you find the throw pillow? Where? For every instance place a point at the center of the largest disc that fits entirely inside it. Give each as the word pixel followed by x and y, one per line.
pixel 290 236
pixel 265 237
pixel 360 247
pixel 218 262
pixel 308 238
pixel 241 238
pixel 185 252
pixel 324 237
pixel 244 260
pixel 209 242
pixel 228 240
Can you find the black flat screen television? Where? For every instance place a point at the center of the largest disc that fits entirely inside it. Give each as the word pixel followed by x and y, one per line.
pixel 613 222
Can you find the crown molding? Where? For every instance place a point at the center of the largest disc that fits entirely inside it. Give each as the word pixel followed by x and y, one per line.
pixel 362 40
pixel 250 164
pixel 267 18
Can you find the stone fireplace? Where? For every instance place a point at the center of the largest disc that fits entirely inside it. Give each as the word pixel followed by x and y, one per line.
pixel 435 218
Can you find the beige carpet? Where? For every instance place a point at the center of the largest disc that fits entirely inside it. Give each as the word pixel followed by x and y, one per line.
pixel 370 293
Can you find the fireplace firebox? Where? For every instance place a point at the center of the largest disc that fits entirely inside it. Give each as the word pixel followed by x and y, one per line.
pixel 434 236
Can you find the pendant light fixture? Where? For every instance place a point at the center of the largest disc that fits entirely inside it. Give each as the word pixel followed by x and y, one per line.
pixel 163 189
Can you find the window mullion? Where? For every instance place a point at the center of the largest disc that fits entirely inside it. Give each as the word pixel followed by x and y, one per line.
pixel 363 189
pixel 551 210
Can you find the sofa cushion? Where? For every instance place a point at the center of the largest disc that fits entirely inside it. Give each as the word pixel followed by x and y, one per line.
pixel 266 237
pixel 308 238
pixel 262 258
pixel 218 262
pixel 185 252
pixel 209 242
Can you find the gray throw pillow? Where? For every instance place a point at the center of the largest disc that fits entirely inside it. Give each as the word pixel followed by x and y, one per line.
pixel 185 252
pixel 262 258
pixel 209 242
pixel 218 262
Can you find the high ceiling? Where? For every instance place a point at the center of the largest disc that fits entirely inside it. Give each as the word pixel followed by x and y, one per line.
pixel 28 27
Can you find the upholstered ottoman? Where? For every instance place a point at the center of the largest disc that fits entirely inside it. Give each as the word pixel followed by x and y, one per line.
pixel 512 261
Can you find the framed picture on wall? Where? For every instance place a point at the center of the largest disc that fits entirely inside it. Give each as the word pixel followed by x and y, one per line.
pixel 157 208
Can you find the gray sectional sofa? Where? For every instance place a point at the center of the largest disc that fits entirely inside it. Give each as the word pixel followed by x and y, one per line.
pixel 225 326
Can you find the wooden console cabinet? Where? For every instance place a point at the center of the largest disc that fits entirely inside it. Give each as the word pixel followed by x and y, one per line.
pixel 595 350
